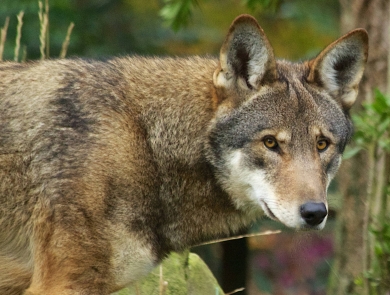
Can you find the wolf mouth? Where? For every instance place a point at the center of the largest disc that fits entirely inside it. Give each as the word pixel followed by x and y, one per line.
pixel 268 211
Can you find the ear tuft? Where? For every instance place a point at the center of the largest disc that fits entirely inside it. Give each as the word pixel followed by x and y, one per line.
pixel 246 57
pixel 339 67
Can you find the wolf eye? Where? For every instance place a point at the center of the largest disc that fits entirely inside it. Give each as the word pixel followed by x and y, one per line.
pixel 322 145
pixel 270 142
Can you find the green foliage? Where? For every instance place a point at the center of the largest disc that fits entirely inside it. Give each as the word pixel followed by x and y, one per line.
pixel 296 29
pixel 372 125
pixel 373 134
pixel 43 16
pixel 265 4
pixel 176 13
pixel 320 13
pixel 271 5
pixel 184 273
pixel 101 27
pixel 379 275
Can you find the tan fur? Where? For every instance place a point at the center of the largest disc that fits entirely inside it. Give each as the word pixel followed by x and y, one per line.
pixel 106 167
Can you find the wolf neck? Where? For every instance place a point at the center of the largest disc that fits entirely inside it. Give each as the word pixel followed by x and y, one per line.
pixel 176 115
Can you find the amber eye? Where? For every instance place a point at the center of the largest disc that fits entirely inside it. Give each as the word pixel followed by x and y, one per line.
pixel 322 145
pixel 270 142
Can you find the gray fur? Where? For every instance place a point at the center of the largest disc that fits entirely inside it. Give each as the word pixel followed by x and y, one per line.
pixel 106 167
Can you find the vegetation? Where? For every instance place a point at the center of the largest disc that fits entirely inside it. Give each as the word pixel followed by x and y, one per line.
pixel 116 27
pixel 373 134
pixel 44 45
pixel 361 261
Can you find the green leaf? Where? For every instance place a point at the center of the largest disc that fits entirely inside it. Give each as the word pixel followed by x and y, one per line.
pixel 359 281
pixel 384 125
pixel 270 5
pixel 386 248
pixel 378 249
pixel 381 103
pixel 351 152
pixel 382 97
pixel 176 13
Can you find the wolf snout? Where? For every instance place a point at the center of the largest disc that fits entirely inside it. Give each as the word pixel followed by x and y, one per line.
pixel 313 213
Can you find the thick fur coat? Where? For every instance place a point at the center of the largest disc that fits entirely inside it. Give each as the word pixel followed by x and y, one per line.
pixel 106 167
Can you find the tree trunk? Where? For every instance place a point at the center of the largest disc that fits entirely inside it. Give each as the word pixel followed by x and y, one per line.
pixel 235 265
pixel 358 175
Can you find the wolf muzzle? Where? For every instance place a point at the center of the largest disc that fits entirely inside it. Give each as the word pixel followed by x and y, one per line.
pixel 313 213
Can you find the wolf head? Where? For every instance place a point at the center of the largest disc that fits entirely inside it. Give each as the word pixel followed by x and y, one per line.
pixel 280 128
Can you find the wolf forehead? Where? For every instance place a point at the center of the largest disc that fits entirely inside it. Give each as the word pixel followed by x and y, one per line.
pixel 291 104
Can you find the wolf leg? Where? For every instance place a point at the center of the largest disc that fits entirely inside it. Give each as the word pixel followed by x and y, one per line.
pixel 71 253
pixel 52 276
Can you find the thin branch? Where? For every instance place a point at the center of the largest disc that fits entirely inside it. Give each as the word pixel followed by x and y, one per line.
pixel 235 291
pixel 18 35
pixel 65 44
pixel 47 28
pixel 24 53
pixel 44 24
pixel 266 233
pixel 137 291
pixel 163 284
pixel 3 37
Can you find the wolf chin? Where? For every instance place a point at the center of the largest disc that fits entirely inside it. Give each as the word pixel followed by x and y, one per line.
pixel 106 167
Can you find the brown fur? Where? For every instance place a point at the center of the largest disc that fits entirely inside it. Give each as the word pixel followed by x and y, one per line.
pixel 106 167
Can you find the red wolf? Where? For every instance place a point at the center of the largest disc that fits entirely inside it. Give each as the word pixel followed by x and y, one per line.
pixel 106 167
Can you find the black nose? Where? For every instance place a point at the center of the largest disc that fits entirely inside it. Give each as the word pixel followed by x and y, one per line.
pixel 313 213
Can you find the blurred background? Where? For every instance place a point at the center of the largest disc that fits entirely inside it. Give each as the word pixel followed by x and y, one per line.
pixel 297 29
pixel 290 262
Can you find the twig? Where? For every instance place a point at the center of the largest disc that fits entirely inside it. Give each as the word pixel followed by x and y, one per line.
pixel 65 44
pixel 137 291
pixel 47 28
pixel 235 291
pixel 24 53
pixel 266 233
pixel 3 37
pixel 44 24
pixel 163 284
pixel 18 35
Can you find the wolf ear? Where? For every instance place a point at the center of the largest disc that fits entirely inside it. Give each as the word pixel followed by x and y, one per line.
pixel 246 56
pixel 339 67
